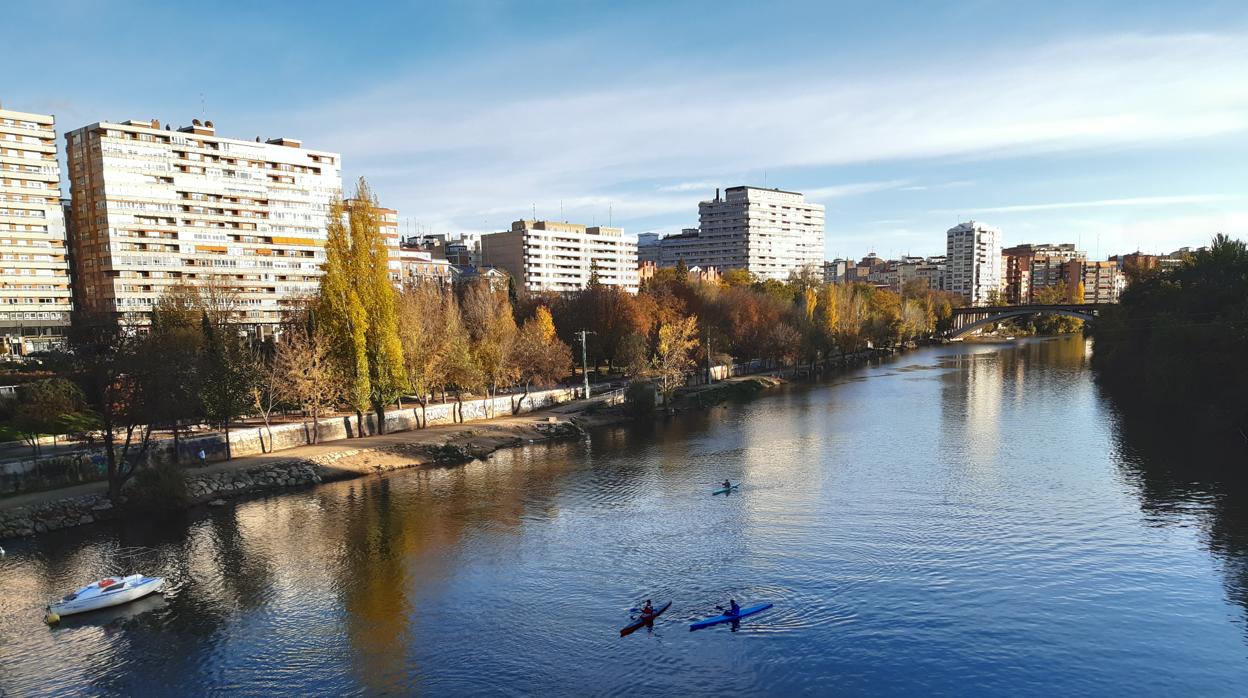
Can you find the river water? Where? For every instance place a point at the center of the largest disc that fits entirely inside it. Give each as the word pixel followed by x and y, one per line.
pixel 961 520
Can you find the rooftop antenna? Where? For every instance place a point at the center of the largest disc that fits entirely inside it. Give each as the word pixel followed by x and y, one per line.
pixel 534 211
pixel 203 109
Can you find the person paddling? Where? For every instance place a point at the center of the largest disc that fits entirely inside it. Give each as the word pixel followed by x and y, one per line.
pixel 647 611
pixel 732 610
pixel 727 485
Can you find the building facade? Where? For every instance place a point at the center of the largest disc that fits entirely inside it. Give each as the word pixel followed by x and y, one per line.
pixel 773 234
pixel 417 265
pixel 35 291
pixel 1102 282
pixel 554 256
pixel 973 262
pixel 155 207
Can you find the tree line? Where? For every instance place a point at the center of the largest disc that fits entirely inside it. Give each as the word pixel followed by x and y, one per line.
pixel 1178 338
pixel 361 344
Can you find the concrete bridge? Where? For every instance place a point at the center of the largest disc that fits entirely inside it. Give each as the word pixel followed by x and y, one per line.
pixel 968 320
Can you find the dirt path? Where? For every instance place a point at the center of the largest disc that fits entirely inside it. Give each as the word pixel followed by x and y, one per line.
pixel 367 454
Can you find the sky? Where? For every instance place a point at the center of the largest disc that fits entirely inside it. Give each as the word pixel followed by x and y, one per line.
pixel 1114 125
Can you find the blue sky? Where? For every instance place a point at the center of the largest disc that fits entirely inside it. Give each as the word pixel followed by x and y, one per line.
pixel 1118 126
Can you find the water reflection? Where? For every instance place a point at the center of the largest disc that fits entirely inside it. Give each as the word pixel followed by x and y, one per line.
pixel 965 520
pixel 1181 482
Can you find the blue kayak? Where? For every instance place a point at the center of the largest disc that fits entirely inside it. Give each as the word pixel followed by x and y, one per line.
pixel 725 490
pixel 728 618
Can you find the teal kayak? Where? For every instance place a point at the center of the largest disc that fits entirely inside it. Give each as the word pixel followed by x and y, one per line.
pixel 725 618
pixel 725 490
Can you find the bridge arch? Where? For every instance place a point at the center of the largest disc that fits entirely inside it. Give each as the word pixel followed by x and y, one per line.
pixel 998 317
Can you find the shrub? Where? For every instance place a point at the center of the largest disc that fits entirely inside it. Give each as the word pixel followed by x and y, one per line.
pixel 639 398
pixel 159 489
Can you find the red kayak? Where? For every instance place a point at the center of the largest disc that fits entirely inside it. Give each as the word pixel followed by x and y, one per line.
pixel 628 629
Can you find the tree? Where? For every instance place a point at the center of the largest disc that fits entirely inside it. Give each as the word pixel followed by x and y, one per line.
pixel 736 277
pixel 109 366
pixel 175 343
pixel 357 307
pixel 457 368
pixel 225 377
pixel 50 406
pixel 421 333
pixel 673 356
pixel 263 387
pixel 492 333
pixel 540 357
pixel 307 373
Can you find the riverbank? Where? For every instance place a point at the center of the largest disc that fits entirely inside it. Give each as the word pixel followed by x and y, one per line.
pixel 50 510
pixel 439 445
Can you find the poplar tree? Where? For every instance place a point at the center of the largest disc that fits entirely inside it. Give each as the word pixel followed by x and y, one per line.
pixel 357 307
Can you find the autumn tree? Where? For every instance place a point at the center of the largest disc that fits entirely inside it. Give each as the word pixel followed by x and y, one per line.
pixel 357 307
pixel 540 357
pixel 673 356
pixel 456 367
pixel 492 332
pixel 308 374
pixel 421 333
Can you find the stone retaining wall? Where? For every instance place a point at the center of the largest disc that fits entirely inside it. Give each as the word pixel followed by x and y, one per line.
pixel 254 440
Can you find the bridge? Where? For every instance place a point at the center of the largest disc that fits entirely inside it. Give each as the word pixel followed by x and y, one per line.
pixel 968 320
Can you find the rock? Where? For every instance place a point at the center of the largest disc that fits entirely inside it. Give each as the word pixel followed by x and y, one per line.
pixel 217 503
pixel 85 519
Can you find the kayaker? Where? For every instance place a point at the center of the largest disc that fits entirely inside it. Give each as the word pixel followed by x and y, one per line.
pixel 733 608
pixel 727 485
pixel 647 611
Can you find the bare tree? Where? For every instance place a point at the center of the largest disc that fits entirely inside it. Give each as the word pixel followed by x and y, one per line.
pixel 307 375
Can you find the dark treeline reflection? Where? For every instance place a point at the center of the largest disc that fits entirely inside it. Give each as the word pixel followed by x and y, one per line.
pixel 1183 477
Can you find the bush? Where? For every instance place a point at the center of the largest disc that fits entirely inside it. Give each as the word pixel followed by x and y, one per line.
pixel 639 398
pixel 159 489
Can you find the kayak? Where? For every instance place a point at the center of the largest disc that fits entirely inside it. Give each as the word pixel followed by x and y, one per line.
pixel 725 490
pixel 628 629
pixel 725 618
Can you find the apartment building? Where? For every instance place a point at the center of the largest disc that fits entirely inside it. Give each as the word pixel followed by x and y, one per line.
pixel 418 265
pixel 553 256
pixel 35 294
pixel 152 207
pixel 1102 282
pixel 768 232
pixel 973 262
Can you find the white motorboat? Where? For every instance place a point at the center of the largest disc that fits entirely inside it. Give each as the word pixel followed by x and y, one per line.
pixel 110 591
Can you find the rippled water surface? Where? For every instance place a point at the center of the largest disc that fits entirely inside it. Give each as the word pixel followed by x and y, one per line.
pixel 964 520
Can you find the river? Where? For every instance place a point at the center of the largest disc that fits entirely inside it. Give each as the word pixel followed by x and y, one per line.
pixel 960 520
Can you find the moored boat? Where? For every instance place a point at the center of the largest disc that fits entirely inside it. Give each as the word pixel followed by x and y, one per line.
pixel 110 591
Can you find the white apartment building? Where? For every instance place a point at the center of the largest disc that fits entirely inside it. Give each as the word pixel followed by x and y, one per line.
pixel 35 295
pixel 768 232
pixel 153 206
pixel 553 256
pixel 973 262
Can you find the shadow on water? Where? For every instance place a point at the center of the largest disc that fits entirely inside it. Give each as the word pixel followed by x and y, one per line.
pixel 1181 480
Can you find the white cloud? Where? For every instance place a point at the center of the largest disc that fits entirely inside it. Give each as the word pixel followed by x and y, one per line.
pixel 690 186
pixel 472 158
pixel 840 191
pixel 1099 203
